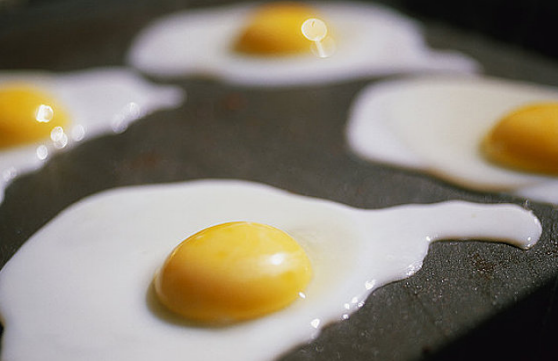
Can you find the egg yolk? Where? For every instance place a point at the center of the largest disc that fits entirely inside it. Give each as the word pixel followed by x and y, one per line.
pixel 526 139
pixel 233 272
pixel 275 29
pixel 27 115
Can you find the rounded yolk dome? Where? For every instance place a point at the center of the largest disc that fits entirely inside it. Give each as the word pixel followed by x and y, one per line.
pixel 27 115
pixel 275 29
pixel 526 139
pixel 232 272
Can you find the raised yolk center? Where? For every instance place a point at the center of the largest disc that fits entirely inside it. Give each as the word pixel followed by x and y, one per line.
pixel 27 115
pixel 526 139
pixel 233 272
pixel 275 29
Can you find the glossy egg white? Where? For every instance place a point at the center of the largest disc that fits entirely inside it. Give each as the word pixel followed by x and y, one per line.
pixel 370 41
pixel 436 124
pixel 98 101
pixel 80 288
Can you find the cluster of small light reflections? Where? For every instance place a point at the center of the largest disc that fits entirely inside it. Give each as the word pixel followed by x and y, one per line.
pixel 44 114
pixel 353 304
pixel 316 31
pixel 60 139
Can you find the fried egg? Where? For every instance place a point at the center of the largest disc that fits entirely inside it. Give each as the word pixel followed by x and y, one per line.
pixel 82 288
pixel 41 112
pixel 438 125
pixel 273 45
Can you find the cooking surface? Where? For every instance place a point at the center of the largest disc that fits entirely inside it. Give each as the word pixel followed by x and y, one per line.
pixel 467 297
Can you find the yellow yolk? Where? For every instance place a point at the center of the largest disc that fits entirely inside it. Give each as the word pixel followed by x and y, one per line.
pixel 27 115
pixel 526 139
pixel 275 29
pixel 232 272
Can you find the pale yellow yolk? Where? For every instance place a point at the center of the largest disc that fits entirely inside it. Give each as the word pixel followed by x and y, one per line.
pixel 27 115
pixel 275 29
pixel 232 272
pixel 526 139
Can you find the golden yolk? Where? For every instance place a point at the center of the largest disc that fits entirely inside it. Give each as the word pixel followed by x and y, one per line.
pixel 232 272
pixel 526 139
pixel 275 29
pixel 27 115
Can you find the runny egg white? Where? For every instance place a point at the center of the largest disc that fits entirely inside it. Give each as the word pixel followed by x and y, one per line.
pixel 43 112
pixel 359 40
pixel 438 124
pixel 82 287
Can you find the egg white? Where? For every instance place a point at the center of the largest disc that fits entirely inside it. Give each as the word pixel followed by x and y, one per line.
pixel 98 101
pixel 436 124
pixel 371 41
pixel 80 288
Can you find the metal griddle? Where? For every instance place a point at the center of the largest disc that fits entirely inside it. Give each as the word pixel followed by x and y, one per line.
pixel 473 299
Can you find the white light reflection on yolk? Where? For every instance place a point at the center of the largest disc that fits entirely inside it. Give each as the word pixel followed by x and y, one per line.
pixel 315 30
pixel 44 113
pixel 278 259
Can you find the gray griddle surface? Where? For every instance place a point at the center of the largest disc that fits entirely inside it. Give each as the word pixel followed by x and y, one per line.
pixel 469 300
